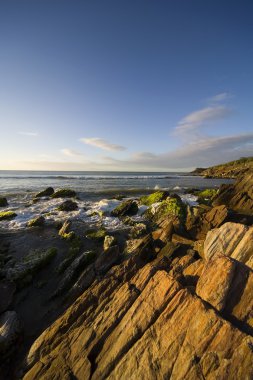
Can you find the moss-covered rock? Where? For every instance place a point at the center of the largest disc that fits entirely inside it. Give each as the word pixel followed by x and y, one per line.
pixel 68 205
pixel 3 202
pixel 22 272
pixel 36 222
pixel 158 196
pixel 206 196
pixel 171 206
pixel 96 234
pixel 128 207
pixel 64 193
pixel 5 215
pixel 45 193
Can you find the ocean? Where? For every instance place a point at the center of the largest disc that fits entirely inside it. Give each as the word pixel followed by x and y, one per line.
pixel 95 192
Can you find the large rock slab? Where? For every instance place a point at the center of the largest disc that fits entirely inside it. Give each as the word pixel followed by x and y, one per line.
pixel 136 324
pixel 227 285
pixel 231 239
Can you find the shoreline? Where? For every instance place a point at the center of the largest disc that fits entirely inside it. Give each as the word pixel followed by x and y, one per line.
pixel 51 265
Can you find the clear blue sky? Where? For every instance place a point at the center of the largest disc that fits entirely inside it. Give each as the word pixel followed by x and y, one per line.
pixel 125 85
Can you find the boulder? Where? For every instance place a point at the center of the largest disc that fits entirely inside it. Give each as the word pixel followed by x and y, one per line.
pixel 36 222
pixel 10 330
pixel 45 193
pixel 231 239
pixel 68 205
pixel 128 207
pixel 3 202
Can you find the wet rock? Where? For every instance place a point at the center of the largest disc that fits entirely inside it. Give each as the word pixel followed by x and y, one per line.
pixel 36 222
pixel 109 241
pixel 68 206
pixel 10 330
pixel 45 193
pixel 7 290
pixel 65 228
pixel 64 193
pixel 128 207
pixel 3 202
pixel 6 215
pixel 96 234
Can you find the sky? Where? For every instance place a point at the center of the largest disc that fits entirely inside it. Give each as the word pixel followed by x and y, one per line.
pixel 128 85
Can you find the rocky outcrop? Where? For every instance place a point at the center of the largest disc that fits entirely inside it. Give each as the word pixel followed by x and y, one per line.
pixel 239 196
pixel 146 325
pixel 231 169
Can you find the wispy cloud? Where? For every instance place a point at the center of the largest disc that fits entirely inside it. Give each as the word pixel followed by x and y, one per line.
pixel 70 152
pixel 33 134
pixel 200 118
pixel 102 144
pixel 203 152
pixel 222 97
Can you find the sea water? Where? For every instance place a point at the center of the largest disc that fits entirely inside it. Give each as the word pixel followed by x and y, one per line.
pixel 95 193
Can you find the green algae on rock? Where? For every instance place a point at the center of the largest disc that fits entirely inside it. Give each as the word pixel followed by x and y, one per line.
pixel 158 196
pixel 36 222
pixel 128 207
pixel 22 272
pixel 64 193
pixel 171 206
pixel 96 234
pixel 207 195
pixel 7 215
pixel 45 193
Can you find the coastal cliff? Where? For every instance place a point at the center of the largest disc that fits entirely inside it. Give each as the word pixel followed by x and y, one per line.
pixel 170 298
pixel 231 169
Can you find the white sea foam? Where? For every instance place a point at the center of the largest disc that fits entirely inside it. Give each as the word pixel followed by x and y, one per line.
pixel 189 199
